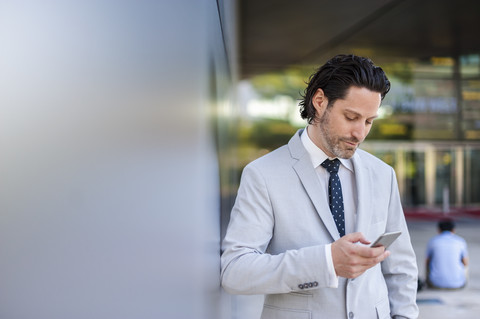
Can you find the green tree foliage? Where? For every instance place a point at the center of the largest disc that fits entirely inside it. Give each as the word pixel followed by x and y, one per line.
pixel 291 82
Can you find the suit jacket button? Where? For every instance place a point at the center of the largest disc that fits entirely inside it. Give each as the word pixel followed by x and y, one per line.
pixel 310 284
pixel 315 284
pixel 300 286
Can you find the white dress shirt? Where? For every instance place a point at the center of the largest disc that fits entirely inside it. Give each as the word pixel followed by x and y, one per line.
pixel 346 174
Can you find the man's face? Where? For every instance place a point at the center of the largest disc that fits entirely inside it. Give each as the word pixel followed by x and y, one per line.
pixel 341 127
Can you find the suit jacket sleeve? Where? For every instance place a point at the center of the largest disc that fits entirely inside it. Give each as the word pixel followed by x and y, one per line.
pixel 246 268
pixel 399 269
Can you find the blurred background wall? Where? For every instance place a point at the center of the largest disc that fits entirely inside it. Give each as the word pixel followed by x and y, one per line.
pixel 109 184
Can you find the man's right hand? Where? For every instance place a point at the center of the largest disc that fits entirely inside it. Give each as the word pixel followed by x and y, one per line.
pixel 351 260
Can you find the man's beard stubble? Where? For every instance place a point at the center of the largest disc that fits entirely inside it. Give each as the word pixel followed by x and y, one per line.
pixel 333 142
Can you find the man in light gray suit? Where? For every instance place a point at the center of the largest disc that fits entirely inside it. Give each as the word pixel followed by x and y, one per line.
pixel 286 239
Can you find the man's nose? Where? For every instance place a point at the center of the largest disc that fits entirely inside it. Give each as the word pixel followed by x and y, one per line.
pixel 360 131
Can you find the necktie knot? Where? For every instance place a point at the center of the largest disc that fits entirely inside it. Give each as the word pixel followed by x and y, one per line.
pixel 331 166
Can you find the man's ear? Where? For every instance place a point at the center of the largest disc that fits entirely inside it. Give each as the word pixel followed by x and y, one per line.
pixel 320 102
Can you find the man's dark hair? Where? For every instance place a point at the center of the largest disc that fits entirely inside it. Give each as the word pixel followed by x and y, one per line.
pixel 339 74
pixel 446 224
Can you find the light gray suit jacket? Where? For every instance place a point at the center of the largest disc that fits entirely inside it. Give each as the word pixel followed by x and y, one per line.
pixel 280 224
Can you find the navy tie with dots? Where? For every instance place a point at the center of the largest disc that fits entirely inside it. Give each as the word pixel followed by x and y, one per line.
pixel 335 194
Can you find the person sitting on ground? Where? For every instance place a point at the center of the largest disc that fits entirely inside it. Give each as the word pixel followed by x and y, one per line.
pixel 447 258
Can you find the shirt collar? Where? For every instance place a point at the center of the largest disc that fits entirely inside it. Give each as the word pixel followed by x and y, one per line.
pixel 317 155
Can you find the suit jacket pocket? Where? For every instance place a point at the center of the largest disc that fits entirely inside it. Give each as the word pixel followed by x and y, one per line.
pixel 272 312
pixel 383 309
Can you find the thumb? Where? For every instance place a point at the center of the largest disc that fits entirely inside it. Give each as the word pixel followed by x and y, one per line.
pixel 356 237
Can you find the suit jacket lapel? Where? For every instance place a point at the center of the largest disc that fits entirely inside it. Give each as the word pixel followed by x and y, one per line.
pixel 307 175
pixel 364 182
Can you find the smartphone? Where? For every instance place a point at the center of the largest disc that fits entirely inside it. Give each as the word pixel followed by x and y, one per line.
pixel 386 239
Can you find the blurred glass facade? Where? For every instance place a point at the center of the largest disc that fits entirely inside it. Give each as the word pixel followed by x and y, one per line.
pixel 428 128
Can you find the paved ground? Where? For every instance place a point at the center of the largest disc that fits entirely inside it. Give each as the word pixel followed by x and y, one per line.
pixel 457 304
